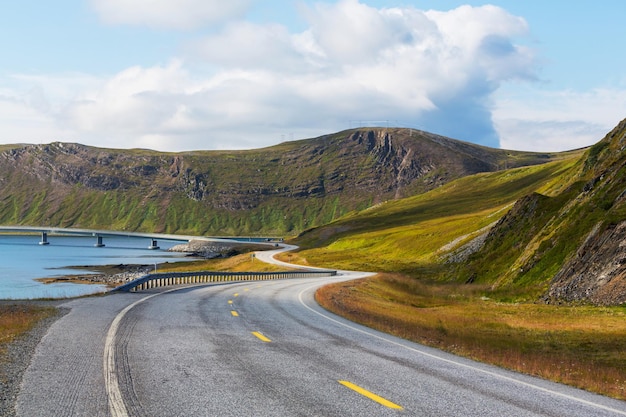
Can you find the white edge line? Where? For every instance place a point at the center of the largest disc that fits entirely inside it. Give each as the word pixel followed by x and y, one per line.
pixel 111 383
pixel 464 365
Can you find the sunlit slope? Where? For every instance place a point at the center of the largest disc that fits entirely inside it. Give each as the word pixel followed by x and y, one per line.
pixel 411 234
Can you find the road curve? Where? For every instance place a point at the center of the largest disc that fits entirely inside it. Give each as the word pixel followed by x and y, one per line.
pixel 263 349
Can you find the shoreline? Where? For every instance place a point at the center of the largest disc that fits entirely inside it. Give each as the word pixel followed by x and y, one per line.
pixel 114 275
pixel 109 275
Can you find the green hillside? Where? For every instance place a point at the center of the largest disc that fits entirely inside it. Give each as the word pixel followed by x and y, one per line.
pixel 419 232
pixel 513 230
pixel 280 190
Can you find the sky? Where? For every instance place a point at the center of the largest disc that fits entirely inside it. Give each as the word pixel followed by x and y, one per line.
pixel 180 75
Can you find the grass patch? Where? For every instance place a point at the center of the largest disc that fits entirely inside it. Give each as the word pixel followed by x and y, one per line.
pixel 582 346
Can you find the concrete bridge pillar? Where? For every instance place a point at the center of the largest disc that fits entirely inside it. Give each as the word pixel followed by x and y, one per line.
pixel 154 245
pixel 44 238
pixel 99 243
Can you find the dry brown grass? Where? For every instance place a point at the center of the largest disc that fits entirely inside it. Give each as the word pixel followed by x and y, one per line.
pixel 17 319
pixel 581 346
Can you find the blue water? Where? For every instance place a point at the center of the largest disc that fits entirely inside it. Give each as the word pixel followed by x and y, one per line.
pixel 22 260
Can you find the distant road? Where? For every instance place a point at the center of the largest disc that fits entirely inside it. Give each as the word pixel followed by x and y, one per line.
pixel 263 349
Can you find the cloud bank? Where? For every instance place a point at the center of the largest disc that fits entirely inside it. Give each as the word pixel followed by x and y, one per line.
pixel 246 85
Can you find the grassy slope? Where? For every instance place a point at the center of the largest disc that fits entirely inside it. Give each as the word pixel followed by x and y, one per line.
pixel 406 235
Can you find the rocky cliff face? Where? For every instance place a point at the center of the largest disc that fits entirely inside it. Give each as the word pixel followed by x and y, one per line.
pixel 597 272
pixel 69 164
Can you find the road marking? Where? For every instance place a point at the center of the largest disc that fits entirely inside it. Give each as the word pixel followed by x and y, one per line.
pixel 261 336
pixel 370 395
pixel 234 313
pixel 236 294
pixel 111 383
pixel 450 361
pixel 230 301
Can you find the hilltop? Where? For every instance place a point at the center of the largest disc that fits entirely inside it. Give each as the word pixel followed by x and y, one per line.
pixel 282 189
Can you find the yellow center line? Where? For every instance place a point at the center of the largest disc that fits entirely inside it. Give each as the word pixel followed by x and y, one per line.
pixel 261 336
pixel 230 301
pixel 370 395
pixel 236 294
pixel 234 313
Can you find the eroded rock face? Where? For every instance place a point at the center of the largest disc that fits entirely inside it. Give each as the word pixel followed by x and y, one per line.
pixel 597 273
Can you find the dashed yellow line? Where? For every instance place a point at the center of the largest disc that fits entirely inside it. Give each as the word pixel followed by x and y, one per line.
pixel 236 294
pixel 261 336
pixel 234 313
pixel 230 301
pixel 370 395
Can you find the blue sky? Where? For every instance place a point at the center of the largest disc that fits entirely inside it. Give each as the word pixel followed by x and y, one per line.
pixel 207 74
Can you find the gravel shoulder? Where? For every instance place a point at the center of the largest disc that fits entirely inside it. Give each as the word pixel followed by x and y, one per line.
pixel 20 353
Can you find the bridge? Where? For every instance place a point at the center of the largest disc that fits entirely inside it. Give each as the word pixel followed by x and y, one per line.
pixel 101 234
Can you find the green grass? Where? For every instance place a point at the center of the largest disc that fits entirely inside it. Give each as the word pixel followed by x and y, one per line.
pixel 409 234
pixel 486 306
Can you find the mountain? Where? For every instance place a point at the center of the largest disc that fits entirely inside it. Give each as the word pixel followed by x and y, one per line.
pixel 553 232
pixel 282 189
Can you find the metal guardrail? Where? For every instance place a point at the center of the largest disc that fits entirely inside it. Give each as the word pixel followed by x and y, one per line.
pixel 178 278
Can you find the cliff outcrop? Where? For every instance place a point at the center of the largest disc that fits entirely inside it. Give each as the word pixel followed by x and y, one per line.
pixel 597 272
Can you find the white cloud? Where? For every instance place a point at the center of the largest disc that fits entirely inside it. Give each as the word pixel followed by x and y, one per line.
pixel 169 14
pixel 253 85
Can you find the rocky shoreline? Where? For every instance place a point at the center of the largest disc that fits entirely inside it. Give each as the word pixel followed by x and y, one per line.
pixel 111 275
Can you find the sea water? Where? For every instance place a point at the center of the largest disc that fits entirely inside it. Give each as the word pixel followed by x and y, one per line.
pixel 23 260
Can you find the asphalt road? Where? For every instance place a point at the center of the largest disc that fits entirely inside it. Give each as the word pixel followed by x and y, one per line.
pixel 263 349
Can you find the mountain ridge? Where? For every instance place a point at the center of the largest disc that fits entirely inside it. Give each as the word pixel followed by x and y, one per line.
pixel 285 188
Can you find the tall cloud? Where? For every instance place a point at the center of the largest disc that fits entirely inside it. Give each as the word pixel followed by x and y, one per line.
pixel 253 85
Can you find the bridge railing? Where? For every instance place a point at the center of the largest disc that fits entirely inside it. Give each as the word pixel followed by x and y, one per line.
pixel 179 278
